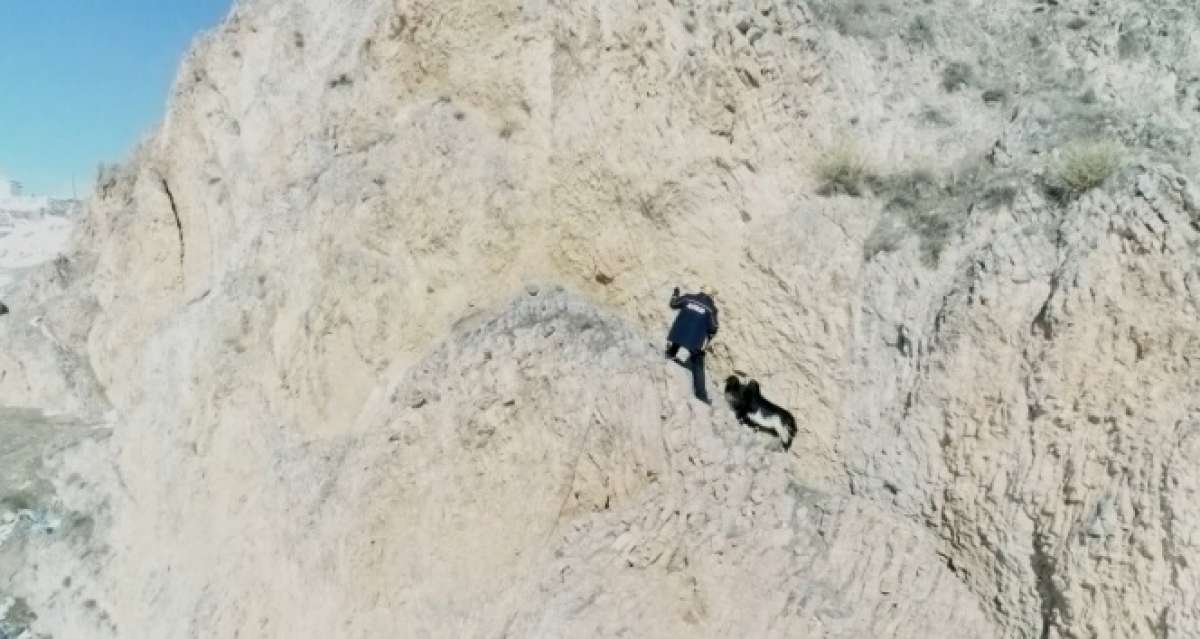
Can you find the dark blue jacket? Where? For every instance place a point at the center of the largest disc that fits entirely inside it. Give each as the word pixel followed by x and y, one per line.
pixel 695 323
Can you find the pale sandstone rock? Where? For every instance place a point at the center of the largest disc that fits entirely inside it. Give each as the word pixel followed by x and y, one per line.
pixel 996 390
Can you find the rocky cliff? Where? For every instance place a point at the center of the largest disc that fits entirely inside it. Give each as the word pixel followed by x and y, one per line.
pixel 961 242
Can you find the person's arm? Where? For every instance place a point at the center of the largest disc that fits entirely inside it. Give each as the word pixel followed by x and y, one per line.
pixel 676 301
pixel 713 325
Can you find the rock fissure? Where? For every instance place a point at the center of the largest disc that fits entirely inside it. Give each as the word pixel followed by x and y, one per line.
pixel 175 216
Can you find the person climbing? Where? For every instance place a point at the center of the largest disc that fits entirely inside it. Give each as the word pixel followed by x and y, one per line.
pixel 695 325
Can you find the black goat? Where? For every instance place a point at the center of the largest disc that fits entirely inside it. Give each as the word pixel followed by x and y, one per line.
pixel 756 411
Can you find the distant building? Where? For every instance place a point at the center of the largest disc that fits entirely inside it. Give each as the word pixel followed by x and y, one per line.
pixel 14 201
pixel 10 189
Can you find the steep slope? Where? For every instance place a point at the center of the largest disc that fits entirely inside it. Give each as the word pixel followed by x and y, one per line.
pixel 970 346
pixel 541 472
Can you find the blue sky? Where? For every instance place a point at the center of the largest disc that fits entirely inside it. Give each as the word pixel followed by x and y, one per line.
pixel 81 81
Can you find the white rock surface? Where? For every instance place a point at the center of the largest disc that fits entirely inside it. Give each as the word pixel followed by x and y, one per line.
pixel 31 238
pixel 518 481
pixel 278 306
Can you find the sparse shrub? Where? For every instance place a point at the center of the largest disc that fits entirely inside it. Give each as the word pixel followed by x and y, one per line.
pixel 850 18
pixel 956 75
pixel 965 181
pixel 841 170
pixel 1133 42
pixel 934 228
pixel 905 188
pixel 919 32
pixel 17 502
pixel 1085 166
pixel 1077 23
pixel 885 238
pixel 855 18
pixel 342 80
pixel 932 207
pixel 923 203
pixel 62 266
pixel 994 96
pixel 17 619
pixel 1002 195
pixel 79 526
pixel 934 117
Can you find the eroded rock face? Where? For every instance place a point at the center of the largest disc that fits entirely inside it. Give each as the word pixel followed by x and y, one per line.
pixel 544 471
pixel 1034 397
pixel 279 300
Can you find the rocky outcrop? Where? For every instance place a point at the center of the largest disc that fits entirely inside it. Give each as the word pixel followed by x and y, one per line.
pixel 994 371
pixel 1033 397
pixel 542 471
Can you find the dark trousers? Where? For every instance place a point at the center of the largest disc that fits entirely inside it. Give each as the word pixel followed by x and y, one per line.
pixel 695 363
